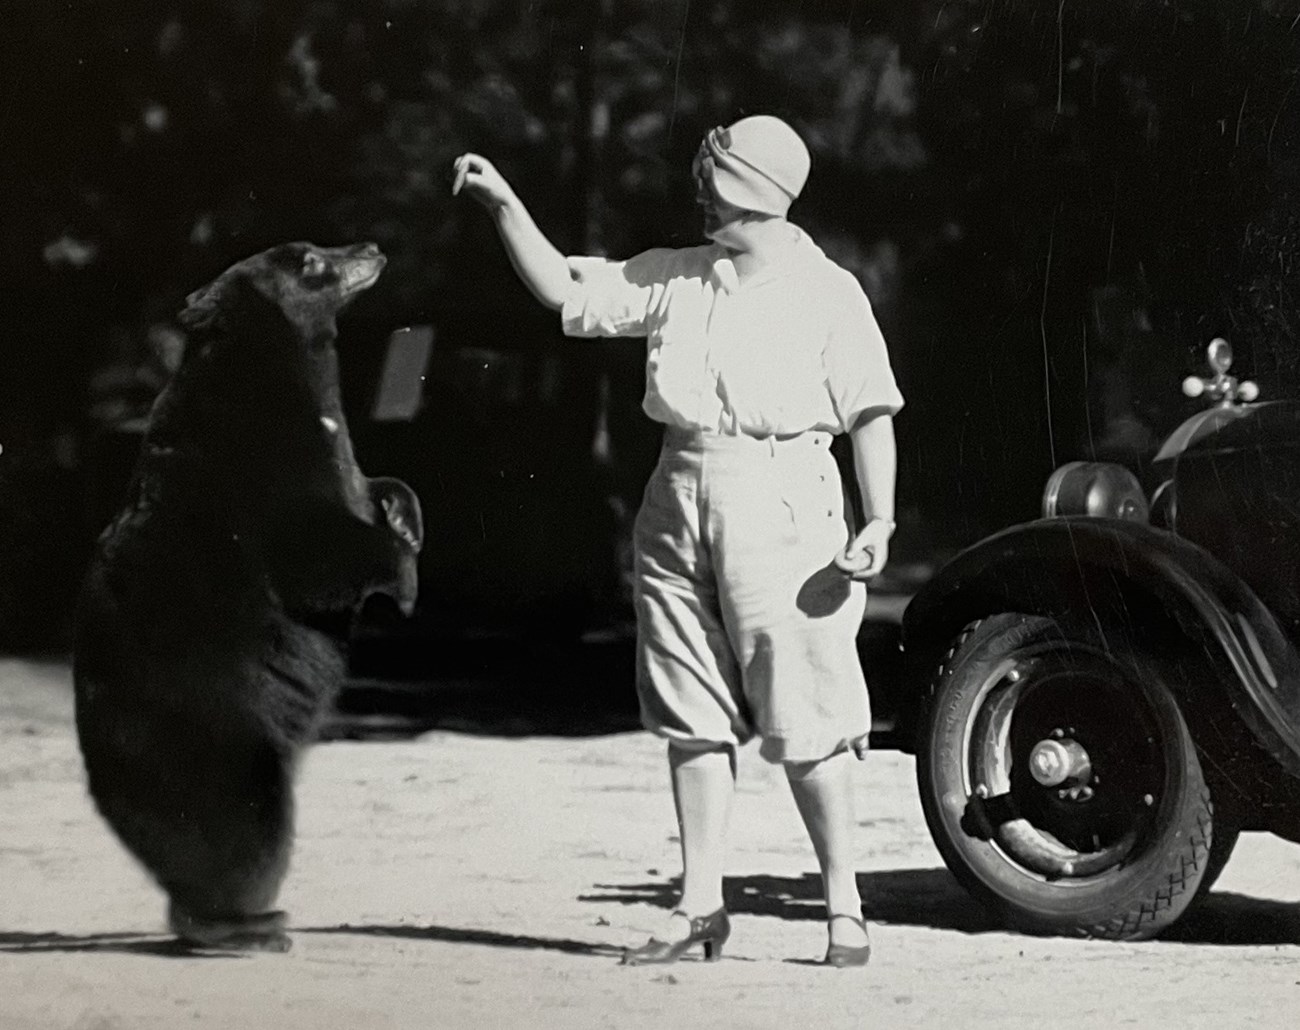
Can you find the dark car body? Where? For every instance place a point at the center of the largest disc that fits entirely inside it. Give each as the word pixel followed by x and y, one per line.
pixel 1219 564
pixel 1105 697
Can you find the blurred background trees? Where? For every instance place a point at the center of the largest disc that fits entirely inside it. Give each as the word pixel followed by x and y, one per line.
pixel 1053 204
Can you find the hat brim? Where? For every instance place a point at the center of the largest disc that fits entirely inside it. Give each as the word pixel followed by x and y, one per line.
pixel 750 192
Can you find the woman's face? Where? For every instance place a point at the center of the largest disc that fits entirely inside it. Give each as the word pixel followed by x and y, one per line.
pixel 717 212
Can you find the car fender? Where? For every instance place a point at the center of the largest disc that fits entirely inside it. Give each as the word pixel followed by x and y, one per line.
pixel 1093 570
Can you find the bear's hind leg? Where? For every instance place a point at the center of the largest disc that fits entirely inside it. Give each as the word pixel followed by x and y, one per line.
pixel 224 896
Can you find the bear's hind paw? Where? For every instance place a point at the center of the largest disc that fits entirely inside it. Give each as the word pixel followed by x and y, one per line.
pixel 261 932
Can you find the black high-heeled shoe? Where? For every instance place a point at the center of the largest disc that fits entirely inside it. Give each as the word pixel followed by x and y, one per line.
pixel 711 931
pixel 842 956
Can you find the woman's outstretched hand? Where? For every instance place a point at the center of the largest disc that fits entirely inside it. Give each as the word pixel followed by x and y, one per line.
pixel 478 177
pixel 866 554
pixel 542 268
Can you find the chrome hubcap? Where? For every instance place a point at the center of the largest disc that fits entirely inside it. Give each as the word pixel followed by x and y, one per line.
pixel 1060 762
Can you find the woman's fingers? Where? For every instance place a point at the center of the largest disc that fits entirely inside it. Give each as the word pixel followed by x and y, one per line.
pixel 461 167
pixel 853 560
pixel 861 560
pixel 465 166
pixel 476 176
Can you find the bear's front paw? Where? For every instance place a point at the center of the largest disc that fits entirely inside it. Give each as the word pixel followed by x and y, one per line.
pixel 401 508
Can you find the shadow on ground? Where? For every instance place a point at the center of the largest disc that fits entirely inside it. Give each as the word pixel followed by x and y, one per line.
pixel 904 897
pixel 169 947
pixel 933 898
pixel 103 943
pixel 457 935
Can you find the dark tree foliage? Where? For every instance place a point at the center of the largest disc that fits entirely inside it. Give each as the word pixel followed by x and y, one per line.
pixel 1112 184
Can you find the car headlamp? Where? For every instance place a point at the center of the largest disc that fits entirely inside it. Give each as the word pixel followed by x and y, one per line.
pixel 1096 488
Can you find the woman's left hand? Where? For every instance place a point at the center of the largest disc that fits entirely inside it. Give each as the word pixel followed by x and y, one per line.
pixel 865 555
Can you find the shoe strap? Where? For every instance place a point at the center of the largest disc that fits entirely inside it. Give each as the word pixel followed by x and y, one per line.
pixel 698 923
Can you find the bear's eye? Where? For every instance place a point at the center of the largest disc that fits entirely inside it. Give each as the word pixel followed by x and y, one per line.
pixel 313 265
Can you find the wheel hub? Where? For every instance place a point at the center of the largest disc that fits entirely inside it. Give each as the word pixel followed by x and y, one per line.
pixel 1060 763
pixel 1035 781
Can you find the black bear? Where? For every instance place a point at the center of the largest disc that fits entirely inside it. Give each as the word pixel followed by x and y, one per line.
pixel 211 626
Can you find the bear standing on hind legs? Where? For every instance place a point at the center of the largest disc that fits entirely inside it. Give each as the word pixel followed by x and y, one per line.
pixel 211 626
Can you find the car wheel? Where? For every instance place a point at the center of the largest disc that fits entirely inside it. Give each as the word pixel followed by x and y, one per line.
pixel 1221 847
pixel 1060 782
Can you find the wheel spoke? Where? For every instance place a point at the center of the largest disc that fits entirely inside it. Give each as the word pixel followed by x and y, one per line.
pixel 985 815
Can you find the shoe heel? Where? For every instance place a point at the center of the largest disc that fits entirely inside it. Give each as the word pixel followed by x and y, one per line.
pixel 711 931
pixel 842 956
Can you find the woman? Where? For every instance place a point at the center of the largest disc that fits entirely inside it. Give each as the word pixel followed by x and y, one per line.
pixel 749 594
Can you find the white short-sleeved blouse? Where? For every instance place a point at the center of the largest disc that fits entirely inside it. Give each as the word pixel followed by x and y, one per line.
pixel 795 348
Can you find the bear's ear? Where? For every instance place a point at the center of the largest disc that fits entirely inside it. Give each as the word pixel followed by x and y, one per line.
pixel 203 307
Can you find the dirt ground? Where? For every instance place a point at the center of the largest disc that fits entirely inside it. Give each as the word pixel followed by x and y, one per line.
pixel 461 879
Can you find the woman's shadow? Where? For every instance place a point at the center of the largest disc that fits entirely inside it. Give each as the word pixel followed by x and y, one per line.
pixel 934 899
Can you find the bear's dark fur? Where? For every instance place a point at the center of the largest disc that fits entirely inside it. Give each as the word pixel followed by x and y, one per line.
pixel 210 628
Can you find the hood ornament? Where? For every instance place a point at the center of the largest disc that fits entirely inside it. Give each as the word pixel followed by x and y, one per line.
pixel 1223 389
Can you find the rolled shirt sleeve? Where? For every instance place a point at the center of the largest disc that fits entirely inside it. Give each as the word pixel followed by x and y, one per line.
pixel 613 298
pixel 855 360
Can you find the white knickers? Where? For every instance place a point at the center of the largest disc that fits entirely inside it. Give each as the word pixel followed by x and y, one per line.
pixel 745 626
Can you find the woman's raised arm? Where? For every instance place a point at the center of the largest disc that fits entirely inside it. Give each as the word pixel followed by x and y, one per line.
pixel 542 268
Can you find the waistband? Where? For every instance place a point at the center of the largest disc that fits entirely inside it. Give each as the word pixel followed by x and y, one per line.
pixel 697 440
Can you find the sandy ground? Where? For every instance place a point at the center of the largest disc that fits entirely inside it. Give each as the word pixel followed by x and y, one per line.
pixel 461 879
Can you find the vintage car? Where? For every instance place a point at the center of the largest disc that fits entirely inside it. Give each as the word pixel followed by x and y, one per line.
pixel 1115 687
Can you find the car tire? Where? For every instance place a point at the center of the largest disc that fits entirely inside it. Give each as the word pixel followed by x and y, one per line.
pixel 1221 848
pixel 1117 850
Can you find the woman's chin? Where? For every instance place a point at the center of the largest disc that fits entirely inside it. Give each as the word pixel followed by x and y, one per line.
pixel 723 232
pixel 728 234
